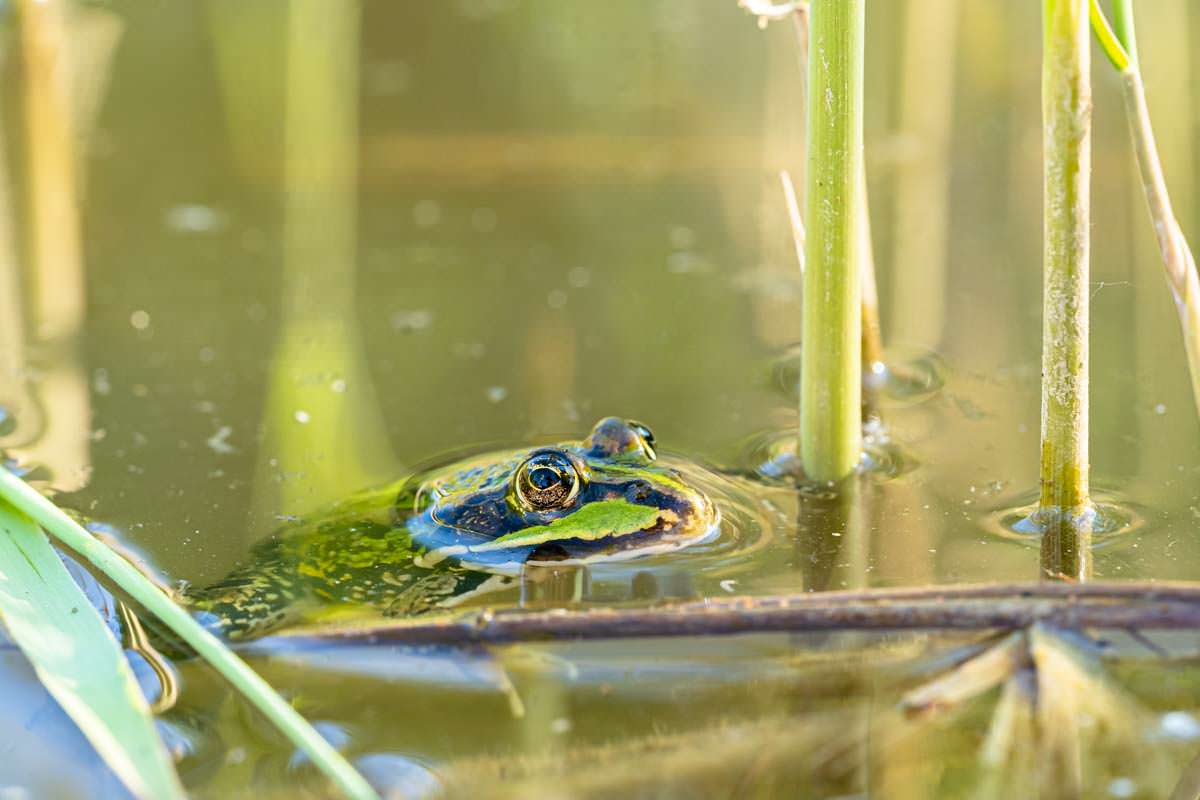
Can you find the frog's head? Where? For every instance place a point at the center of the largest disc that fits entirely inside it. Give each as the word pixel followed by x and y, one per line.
pixel 606 497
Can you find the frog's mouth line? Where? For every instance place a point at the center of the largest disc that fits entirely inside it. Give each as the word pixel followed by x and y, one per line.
pixel 663 522
pixel 669 545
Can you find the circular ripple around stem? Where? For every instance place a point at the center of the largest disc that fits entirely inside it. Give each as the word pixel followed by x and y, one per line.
pixel 1113 518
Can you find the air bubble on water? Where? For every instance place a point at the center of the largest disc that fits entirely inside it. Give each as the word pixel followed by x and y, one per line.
pixel 140 320
pixel 1122 787
pixel 682 237
pixel 338 385
pixel 207 355
pixel 427 213
pixel 473 350
pixel 579 277
pixel 1160 409
pixel 682 263
pixel 556 299
pixel 302 416
pixel 483 220
pixel 412 320
pixel 194 218
pixel 219 441
pixel 1179 725
pixel 496 394
pixel 560 726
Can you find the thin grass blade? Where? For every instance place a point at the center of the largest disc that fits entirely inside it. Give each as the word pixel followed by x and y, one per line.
pixel 137 586
pixel 77 659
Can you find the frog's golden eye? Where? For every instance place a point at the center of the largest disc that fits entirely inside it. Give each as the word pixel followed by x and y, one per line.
pixel 546 481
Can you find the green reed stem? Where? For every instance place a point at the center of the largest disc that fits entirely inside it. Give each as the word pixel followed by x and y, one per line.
pixel 1066 118
pixel 1106 38
pixel 208 647
pixel 872 336
pixel 1177 257
pixel 831 365
pixel 1123 26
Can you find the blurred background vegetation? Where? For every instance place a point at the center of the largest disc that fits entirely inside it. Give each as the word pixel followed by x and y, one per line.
pixel 319 247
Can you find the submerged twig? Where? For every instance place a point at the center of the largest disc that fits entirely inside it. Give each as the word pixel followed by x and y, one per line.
pixel 1111 606
pixel 972 678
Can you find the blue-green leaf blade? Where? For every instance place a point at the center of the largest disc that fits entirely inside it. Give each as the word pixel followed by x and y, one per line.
pixel 77 659
pixel 148 596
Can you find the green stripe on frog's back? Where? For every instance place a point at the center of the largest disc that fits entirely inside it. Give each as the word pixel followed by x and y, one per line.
pixel 360 566
pixel 344 551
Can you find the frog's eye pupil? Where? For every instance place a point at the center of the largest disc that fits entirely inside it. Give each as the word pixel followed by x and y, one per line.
pixel 543 477
pixel 547 481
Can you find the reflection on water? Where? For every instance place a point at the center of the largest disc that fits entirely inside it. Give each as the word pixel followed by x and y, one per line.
pixel 315 241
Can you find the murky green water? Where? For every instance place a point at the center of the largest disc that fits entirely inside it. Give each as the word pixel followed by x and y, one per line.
pixel 316 250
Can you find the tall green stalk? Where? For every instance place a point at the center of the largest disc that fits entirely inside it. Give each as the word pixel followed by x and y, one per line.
pixel 831 366
pixel 1066 119
pixel 1123 24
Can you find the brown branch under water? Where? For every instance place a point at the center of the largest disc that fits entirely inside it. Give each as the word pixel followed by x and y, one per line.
pixel 1123 605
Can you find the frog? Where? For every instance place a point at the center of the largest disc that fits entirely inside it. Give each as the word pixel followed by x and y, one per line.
pixel 434 539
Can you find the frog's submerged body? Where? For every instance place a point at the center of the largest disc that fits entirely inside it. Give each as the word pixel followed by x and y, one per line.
pixel 431 540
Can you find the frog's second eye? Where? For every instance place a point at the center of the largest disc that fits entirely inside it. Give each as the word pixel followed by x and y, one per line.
pixel 647 436
pixel 548 480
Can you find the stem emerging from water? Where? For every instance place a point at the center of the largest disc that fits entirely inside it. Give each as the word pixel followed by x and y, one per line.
pixel 1066 107
pixel 1066 114
pixel 872 338
pixel 831 365
pixel 1120 46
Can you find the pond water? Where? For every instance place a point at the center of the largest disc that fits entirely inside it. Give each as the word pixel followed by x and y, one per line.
pixel 317 245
